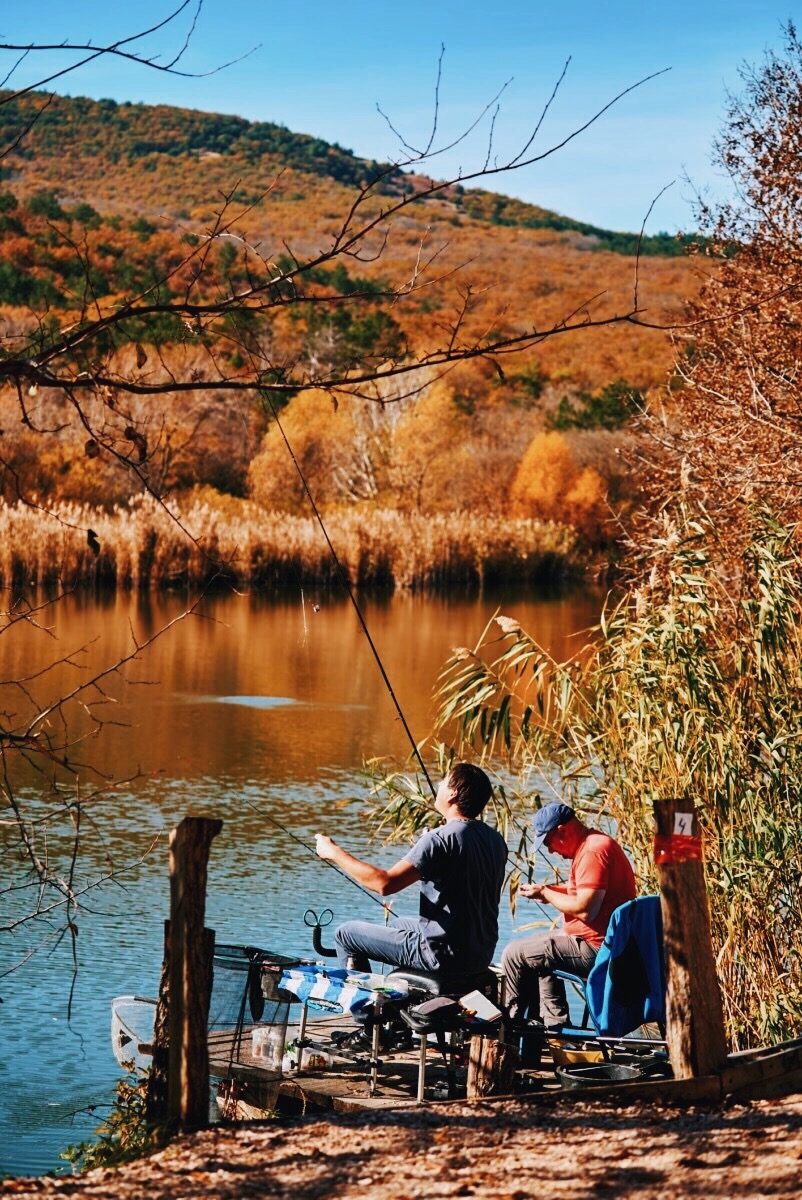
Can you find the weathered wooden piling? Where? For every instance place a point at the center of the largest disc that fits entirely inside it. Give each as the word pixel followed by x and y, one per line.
pixel 180 1044
pixel 694 1015
pixel 491 1068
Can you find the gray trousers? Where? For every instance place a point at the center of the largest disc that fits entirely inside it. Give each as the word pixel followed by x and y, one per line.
pixel 531 989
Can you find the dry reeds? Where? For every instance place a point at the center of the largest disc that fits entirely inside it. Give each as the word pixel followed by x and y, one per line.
pixel 206 538
pixel 691 688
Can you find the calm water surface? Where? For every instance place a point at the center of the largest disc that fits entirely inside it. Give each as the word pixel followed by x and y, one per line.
pixel 243 708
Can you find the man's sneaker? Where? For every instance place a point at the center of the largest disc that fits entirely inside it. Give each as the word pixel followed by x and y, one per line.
pixel 360 1038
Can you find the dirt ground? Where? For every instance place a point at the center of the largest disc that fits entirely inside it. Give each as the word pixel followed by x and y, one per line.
pixel 500 1149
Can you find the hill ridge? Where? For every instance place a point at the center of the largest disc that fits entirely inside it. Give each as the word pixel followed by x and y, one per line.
pixel 141 133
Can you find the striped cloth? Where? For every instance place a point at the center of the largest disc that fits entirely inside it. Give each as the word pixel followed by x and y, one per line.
pixel 337 991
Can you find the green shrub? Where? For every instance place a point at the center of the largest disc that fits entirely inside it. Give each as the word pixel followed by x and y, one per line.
pixel 45 204
pixel 609 408
pixel 123 1135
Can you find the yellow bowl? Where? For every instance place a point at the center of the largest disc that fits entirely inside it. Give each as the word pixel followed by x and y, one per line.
pixel 562 1056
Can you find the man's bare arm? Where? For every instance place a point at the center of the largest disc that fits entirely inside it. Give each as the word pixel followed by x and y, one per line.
pixel 376 879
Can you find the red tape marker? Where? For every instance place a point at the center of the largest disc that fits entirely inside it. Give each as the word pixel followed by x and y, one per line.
pixel 677 847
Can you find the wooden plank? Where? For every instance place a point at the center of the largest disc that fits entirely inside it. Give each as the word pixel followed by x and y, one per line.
pixel 347 1090
pixel 370 1103
pixel 702 1089
pixel 786 1084
pixel 762 1051
pixel 344 1086
pixel 344 1091
pixel 752 1071
pixel 761 1073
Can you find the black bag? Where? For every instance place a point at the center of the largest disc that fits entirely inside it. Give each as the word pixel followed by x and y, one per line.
pixel 438 1015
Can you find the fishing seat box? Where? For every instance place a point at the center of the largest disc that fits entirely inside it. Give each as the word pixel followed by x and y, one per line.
pixel 430 1017
pixel 441 983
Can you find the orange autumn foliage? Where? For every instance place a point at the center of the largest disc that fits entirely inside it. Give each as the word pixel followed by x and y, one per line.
pixel 415 453
pixel 550 485
pixel 110 202
pixel 156 175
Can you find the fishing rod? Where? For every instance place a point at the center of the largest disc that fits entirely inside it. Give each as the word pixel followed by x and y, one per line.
pixel 344 580
pixel 312 851
pixel 346 583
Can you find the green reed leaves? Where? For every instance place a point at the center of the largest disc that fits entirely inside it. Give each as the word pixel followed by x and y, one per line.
pixel 690 685
pixel 124 1133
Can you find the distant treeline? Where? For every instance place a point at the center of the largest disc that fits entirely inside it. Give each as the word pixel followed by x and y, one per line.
pixel 106 129
pixel 504 210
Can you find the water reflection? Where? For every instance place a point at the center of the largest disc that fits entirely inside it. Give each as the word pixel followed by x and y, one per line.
pixel 242 710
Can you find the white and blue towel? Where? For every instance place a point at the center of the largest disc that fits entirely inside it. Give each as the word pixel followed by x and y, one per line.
pixel 338 990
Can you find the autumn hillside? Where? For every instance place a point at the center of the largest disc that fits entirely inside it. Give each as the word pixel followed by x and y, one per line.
pixel 155 174
pixel 101 202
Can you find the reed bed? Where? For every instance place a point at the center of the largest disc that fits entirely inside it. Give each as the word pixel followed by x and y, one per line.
pixel 692 688
pixel 146 545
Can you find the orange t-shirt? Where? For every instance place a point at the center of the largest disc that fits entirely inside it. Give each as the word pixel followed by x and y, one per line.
pixel 599 863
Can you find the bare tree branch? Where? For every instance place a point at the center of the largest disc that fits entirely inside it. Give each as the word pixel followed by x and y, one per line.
pixel 117 50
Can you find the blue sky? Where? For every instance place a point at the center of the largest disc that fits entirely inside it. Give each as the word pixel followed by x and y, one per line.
pixel 322 68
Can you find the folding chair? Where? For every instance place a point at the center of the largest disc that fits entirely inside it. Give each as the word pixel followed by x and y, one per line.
pixel 626 986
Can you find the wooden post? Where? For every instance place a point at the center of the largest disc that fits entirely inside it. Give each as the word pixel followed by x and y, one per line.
pixel 189 973
pixel 491 1068
pixel 159 1071
pixel 694 1016
pixel 158 1077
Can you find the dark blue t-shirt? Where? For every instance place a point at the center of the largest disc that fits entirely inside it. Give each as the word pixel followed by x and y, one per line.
pixel 462 870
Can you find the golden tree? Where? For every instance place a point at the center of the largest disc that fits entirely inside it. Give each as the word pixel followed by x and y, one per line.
pixel 732 424
pixel 549 484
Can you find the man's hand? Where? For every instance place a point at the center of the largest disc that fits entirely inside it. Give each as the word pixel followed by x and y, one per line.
pixel 325 847
pixel 531 891
pixel 584 903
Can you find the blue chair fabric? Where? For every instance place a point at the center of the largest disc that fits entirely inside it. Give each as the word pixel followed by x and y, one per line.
pixel 626 986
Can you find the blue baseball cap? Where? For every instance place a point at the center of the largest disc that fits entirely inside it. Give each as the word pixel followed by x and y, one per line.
pixel 549 817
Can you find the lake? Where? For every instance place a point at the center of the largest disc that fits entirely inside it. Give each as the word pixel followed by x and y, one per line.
pixel 244 708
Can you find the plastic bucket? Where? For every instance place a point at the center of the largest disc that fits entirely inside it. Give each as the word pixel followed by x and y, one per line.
pixel 597 1074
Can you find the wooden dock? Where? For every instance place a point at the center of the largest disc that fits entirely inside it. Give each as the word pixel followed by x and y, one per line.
pixel 249 1091
pixel 343 1086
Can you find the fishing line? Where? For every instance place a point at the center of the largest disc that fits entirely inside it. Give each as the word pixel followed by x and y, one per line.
pixel 303 613
pixel 349 591
pixel 312 851
pixel 386 908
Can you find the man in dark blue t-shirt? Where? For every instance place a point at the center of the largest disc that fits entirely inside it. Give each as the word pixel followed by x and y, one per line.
pixel 460 866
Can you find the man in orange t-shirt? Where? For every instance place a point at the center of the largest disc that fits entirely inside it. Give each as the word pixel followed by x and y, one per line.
pixel 601 878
